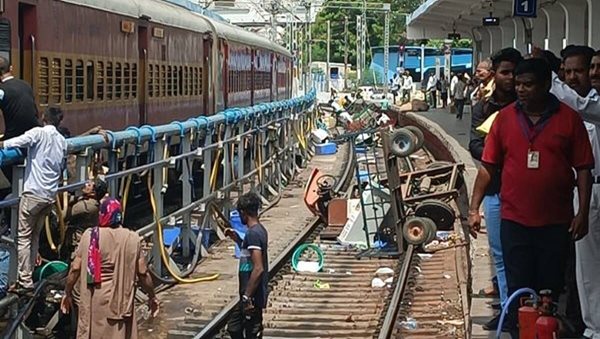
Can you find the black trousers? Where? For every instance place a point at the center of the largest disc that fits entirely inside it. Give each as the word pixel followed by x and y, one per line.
pixel 534 257
pixel 245 325
pixel 460 107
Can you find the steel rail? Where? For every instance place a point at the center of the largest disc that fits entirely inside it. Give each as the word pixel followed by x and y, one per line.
pixel 219 321
pixel 389 320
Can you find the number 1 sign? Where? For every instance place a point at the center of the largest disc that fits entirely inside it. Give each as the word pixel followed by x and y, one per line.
pixel 525 8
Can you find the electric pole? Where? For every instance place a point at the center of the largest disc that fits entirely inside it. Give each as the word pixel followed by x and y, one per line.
pixel 386 50
pixel 345 53
pixel 358 49
pixel 328 75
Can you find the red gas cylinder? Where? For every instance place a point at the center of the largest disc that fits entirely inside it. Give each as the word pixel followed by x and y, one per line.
pixel 546 325
pixel 528 315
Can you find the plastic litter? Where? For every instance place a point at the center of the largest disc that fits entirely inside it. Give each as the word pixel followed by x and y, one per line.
pixel 425 255
pixel 447 276
pixel 384 270
pixel 321 285
pixel 307 266
pixel 409 324
pixel 377 283
pixel 389 280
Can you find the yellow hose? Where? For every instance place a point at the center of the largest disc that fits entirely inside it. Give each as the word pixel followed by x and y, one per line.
pixel 126 194
pixel 216 166
pixel 163 253
pixel 49 234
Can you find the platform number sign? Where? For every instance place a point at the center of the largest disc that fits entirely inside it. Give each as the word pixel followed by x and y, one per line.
pixel 525 8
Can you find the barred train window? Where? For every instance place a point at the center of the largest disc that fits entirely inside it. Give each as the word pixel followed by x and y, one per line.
pixel 126 80
pixel 150 81
pixel 163 80
pixel 109 80
pixel 89 84
pixel 79 80
pixel 118 80
pixel 100 83
pixel 134 80
pixel 157 80
pixel 43 81
pixel 68 80
pixel 169 83
pixel 56 80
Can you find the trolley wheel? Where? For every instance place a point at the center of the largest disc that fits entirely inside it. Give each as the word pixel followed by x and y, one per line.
pixel 403 142
pixel 417 230
pixel 430 224
pixel 439 212
pixel 419 134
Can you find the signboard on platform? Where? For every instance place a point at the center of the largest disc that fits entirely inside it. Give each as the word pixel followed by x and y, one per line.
pixel 525 8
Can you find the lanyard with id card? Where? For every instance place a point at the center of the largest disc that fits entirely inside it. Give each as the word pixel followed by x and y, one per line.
pixel 533 156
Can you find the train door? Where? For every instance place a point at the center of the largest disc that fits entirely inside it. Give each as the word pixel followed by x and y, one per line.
pixel 143 73
pixel 27 43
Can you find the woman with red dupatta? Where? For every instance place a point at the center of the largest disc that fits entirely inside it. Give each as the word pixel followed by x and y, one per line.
pixel 112 258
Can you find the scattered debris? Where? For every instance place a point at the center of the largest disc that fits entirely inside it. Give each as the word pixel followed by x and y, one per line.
pixel 409 324
pixel 377 283
pixel 321 285
pixel 384 270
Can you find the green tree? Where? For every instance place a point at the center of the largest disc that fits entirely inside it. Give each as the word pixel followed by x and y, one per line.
pixel 375 26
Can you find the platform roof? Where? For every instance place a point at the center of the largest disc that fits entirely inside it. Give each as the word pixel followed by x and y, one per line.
pixel 437 18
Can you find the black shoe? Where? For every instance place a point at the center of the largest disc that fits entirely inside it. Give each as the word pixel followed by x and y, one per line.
pixel 492 324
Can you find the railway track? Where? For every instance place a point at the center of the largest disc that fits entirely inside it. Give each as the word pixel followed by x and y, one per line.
pixel 357 295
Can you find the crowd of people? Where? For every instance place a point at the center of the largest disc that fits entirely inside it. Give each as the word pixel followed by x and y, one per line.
pixel 534 130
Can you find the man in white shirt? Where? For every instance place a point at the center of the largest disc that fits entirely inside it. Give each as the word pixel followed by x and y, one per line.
pixel 431 90
pixel 581 93
pixel 484 75
pixel 46 152
pixel 407 86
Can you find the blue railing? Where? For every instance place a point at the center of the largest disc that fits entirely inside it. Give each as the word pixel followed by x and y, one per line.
pixel 147 132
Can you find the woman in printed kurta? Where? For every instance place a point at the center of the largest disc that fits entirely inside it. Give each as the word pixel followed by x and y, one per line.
pixel 111 256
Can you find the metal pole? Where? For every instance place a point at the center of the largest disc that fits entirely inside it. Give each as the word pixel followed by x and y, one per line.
pixel 358 54
pixel 309 18
pixel 386 53
pixel 422 62
pixel 364 31
pixel 328 75
pixel 345 53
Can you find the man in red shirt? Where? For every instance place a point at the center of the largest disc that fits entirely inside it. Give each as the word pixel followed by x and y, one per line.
pixel 537 142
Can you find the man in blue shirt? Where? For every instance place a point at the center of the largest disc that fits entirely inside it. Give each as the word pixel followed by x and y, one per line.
pixel 246 320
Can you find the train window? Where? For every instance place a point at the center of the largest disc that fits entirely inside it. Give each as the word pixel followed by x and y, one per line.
pixel 79 80
pixel 55 81
pixel 89 80
pixel 156 80
pixel 68 80
pixel 5 39
pixel 163 80
pixel 187 90
pixel 126 80
pixel 118 80
pixel 175 81
pixel 197 81
pixel 150 81
pixel 134 80
pixel 109 80
pixel 181 83
pixel 100 82
pixel 169 77
pixel 43 81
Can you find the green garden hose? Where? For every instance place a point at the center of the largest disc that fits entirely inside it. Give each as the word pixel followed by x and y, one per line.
pixel 298 252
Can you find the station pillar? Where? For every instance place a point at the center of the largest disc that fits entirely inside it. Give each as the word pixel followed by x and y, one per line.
pixel 593 23
pixel 507 27
pixel 555 17
pixel 575 21
pixel 521 33
pixel 538 35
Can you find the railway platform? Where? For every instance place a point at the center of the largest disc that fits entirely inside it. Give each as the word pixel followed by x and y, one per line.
pixel 482 269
